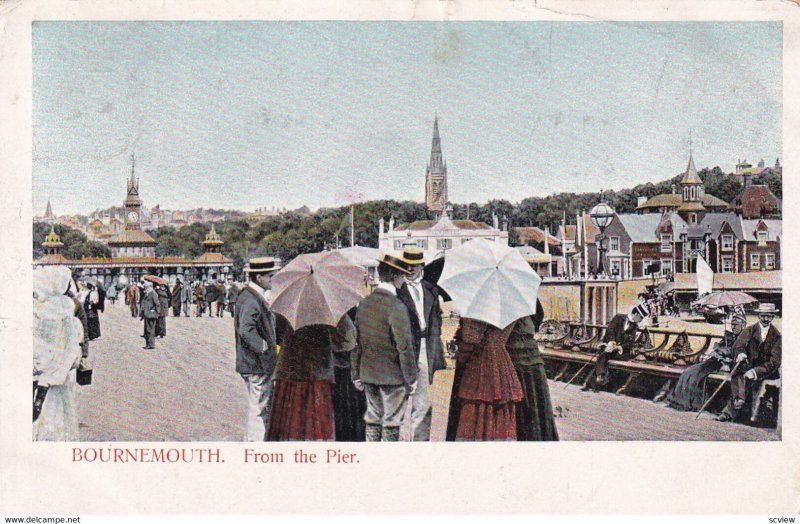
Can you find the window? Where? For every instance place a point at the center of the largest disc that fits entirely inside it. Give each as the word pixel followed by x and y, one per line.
pixel 695 244
pixel 444 243
pixel 666 267
pixel 755 261
pixel 769 261
pixel 398 245
pixel 727 242
pixel 615 265
pixel 693 218
pixel 727 264
pixel 762 237
pixel 613 244
pixel 646 266
pixel 666 243
pixel 422 244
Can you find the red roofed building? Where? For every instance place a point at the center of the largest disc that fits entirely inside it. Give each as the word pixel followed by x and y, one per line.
pixel 756 201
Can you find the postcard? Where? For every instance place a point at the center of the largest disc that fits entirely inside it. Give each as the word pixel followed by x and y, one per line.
pixel 318 259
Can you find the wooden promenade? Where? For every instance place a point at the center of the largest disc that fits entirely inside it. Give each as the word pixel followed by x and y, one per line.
pixel 187 390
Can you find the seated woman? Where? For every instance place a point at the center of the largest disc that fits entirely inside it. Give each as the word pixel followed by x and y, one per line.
pixel 689 392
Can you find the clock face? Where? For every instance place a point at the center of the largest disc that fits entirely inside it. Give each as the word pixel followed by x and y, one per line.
pixel 133 216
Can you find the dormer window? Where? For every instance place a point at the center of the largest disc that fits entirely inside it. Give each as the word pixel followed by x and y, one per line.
pixel 727 242
pixel 762 237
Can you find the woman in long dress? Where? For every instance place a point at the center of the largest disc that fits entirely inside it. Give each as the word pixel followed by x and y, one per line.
pixel 57 335
pixel 535 419
pixel 303 397
pixel 91 304
pixel 349 404
pixel 689 392
pixel 486 390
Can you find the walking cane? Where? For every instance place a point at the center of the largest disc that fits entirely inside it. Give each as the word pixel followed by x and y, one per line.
pixel 581 370
pixel 718 389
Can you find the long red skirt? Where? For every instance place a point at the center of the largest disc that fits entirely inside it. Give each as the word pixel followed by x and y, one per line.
pixel 487 390
pixel 301 411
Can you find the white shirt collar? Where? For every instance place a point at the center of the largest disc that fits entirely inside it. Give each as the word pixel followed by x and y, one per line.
pixel 764 331
pixel 386 286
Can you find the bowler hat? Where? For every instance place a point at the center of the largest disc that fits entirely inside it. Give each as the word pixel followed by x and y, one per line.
pixel 413 256
pixel 395 263
pixel 261 265
pixel 766 308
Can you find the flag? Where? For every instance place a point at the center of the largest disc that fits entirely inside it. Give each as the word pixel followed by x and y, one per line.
pixel 705 277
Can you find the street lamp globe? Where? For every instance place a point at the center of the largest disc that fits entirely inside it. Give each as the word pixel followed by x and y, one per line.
pixel 602 215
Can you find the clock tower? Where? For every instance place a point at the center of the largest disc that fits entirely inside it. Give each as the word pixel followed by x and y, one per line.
pixel 132 203
pixel 132 241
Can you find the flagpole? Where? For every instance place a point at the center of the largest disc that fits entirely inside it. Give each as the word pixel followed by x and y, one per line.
pixel 352 227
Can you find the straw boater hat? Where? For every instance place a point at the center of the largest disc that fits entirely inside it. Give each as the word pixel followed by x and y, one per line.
pixel 766 308
pixel 261 265
pixel 395 263
pixel 413 256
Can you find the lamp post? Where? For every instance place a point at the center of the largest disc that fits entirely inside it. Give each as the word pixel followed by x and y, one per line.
pixel 602 215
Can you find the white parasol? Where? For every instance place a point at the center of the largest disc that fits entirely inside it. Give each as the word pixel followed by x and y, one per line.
pixel 490 282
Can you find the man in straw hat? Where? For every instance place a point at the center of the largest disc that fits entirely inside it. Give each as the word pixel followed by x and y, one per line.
pixel 383 363
pixel 422 300
pixel 256 354
pixel 757 354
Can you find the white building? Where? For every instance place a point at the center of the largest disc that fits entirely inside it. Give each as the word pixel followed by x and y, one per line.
pixel 434 237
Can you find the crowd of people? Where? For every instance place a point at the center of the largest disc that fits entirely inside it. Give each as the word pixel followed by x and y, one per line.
pixel 372 372
pixel 366 377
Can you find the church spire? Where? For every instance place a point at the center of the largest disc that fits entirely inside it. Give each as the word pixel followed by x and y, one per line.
pixel 436 174
pixel 49 211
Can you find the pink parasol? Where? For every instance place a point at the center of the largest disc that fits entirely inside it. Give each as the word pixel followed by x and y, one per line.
pixel 317 288
pixel 726 299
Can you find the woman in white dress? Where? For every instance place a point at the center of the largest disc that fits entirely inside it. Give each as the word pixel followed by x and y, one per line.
pixel 57 335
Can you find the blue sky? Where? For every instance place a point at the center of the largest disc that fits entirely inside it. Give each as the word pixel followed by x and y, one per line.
pixel 253 114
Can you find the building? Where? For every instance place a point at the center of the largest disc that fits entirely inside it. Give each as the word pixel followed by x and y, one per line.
pixel 761 246
pixel 132 241
pixel 49 217
pixel 436 175
pixel 691 202
pixel 434 237
pixel 756 201
pixel 133 252
pixel 655 246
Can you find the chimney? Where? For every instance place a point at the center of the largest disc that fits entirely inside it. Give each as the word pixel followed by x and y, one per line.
pixel 674 189
pixel 380 226
pixel 747 179
pixel 642 199
pixel 495 221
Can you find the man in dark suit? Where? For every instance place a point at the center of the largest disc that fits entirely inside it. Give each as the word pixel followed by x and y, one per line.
pixel 617 344
pixel 175 298
pixel 422 300
pixel 256 353
pixel 757 353
pixel 150 311
pixel 164 295
pixel 211 296
pixel 383 363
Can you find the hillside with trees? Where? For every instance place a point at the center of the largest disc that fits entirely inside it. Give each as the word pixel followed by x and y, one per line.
pixel 300 231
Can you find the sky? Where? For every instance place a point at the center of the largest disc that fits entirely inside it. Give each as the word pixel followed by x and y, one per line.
pixel 242 115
